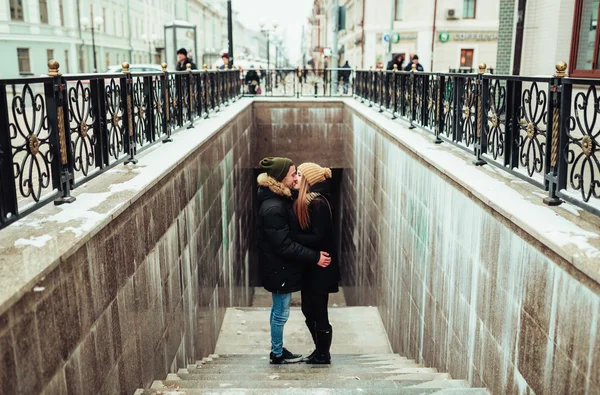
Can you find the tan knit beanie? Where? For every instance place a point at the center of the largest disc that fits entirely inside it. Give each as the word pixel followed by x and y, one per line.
pixel 313 173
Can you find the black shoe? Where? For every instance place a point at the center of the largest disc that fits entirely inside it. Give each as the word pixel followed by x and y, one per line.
pixel 280 360
pixel 312 328
pixel 319 358
pixel 290 357
pixel 306 359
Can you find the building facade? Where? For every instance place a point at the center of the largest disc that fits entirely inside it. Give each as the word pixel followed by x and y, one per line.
pixel 34 31
pixel 552 31
pixel 446 35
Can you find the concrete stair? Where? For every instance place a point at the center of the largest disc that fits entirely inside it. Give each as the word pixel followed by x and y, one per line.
pixel 348 374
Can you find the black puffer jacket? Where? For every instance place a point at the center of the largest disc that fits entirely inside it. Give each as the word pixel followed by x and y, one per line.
pixel 319 236
pixel 282 261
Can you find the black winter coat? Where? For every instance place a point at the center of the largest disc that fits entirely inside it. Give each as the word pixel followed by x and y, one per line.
pixel 282 260
pixel 320 236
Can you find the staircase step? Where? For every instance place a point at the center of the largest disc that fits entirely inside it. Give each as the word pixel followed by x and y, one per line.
pixel 318 383
pixel 244 359
pixel 320 391
pixel 396 374
pixel 303 369
pixel 264 365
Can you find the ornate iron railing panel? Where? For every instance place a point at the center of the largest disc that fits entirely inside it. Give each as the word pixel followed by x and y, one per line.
pixel 289 82
pixel 544 130
pixel 58 132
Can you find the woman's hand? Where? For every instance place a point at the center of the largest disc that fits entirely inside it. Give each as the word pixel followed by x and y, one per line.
pixel 324 260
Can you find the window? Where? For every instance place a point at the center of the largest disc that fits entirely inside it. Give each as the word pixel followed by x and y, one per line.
pixel 469 8
pixel 466 58
pixel 107 60
pixel 399 9
pixel 67 61
pixel 82 61
pixel 24 64
pixel 118 57
pixel 16 10
pixel 43 11
pixel 50 54
pixel 585 56
pixel 104 19
pixel 61 12
pixel 342 18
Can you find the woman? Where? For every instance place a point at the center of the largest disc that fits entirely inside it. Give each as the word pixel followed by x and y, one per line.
pixel 315 230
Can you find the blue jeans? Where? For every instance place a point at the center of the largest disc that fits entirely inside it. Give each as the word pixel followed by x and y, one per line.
pixel 280 311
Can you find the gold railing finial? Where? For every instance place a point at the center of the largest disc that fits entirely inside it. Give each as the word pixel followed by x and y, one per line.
pixel 188 66
pixel 413 67
pixel 561 70
pixel 482 68
pixel 125 67
pixel 205 66
pixel 395 67
pixel 164 67
pixel 53 66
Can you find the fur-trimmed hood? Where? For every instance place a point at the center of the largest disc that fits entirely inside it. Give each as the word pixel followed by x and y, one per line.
pixel 273 185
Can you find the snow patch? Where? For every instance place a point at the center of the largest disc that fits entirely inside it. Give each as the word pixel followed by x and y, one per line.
pixel 38 241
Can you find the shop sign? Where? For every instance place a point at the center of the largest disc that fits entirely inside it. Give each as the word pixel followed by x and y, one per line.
pixel 467 36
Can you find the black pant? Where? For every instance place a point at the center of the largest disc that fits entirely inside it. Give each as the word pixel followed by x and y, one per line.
pixel 314 308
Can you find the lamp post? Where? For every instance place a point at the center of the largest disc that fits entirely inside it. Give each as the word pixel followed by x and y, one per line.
pixel 93 24
pixel 267 30
pixel 230 33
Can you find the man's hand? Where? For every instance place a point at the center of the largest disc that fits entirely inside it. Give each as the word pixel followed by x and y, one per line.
pixel 324 260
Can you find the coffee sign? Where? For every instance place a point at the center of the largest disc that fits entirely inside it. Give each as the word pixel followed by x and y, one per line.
pixel 468 36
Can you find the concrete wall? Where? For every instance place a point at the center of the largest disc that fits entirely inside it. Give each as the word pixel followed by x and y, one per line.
pixel 304 131
pixel 147 293
pixel 459 287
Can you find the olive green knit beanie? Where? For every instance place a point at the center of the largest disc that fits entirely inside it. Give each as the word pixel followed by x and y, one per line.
pixel 276 167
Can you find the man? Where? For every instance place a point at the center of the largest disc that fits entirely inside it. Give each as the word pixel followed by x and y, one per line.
pixel 252 80
pixel 183 60
pixel 282 261
pixel 344 77
pixel 414 60
pixel 225 65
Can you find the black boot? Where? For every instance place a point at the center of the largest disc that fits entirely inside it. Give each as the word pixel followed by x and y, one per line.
pixel 312 328
pixel 321 355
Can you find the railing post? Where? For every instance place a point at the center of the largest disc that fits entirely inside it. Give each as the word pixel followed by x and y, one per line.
pixel 370 86
pixel 206 90
pixel 381 87
pixel 166 119
pixel 395 91
pixel 58 123
pixel 556 137
pixel 9 207
pixel 439 114
pixel 412 96
pixel 458 101
pixel 129 138
pixel 190 93
pixel 513 92
pixel 149 99
pixel 480 119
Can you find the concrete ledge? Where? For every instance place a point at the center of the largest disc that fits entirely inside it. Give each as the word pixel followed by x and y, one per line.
pixel 570 232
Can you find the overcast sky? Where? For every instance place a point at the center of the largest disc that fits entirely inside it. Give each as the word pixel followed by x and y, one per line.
pixel 290 14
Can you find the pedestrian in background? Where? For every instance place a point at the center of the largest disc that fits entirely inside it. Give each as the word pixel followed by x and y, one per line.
pixel 414 60
pixel 183 60
pixel 344 77
pixel 397 60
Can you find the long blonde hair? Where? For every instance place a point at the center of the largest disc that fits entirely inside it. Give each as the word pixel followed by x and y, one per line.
pixel 301 204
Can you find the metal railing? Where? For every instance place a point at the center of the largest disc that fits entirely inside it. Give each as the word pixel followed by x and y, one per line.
pixel 299 82
pixel 544 130
pixel 59 131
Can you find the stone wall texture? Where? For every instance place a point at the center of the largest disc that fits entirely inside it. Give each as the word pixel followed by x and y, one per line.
pixel 457 287
pixel 146 294
pixel 301 130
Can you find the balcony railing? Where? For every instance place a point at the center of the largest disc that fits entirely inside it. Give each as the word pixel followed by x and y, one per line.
pixel 544 130
pixel 59 131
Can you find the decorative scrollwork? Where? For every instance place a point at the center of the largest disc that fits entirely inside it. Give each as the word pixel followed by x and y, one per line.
pixel 583 148
pixel 468 120
pixel 432 100
pixel 114 109
pixel 81 123
pixel 449 106
pixel 157 108
pixel 495 127
pixel 30 142
pixel 533 121
pixel 140 103
pixel 419 81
